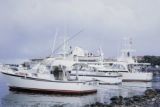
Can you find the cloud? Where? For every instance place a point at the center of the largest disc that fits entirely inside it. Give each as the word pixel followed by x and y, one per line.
pixel 27 27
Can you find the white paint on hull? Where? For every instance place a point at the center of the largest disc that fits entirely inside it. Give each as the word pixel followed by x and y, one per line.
pixel 103 80
pixel 137 76
pixel 23 82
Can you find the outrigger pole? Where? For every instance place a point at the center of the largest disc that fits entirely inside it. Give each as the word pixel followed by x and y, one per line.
pixel 54 42
pixel 73 36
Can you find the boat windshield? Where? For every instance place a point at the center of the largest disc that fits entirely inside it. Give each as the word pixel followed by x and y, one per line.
pixel 82 67
pixel 118 66
pixel 137 67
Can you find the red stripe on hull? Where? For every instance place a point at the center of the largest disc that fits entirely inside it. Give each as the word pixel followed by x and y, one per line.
pixel 47 91
pixel 136 80
pixel 110 83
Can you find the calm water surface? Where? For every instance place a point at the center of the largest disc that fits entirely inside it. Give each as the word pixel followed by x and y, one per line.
pixel 105 92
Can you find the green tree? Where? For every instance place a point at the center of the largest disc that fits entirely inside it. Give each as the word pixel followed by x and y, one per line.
pixel 154 60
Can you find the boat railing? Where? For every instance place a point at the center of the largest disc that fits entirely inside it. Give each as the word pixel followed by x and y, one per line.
pixel 92 82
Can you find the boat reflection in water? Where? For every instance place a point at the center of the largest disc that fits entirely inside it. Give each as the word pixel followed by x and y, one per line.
pixel 126 89
pixel 135 88
pixel 15 99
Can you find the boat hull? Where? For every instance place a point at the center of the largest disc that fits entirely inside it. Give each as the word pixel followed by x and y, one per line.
pixel 137 77
pixel 104 78
pixel 47 86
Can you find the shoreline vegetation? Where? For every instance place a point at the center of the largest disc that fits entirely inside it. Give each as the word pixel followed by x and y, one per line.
pixel 154 60
pixel 150 98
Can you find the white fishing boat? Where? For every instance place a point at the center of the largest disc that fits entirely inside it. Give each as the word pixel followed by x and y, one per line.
pixel 128 67
pixel 132 72
pixel 86 72
pixel 47 79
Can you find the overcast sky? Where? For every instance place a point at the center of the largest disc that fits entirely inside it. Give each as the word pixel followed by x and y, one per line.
pixel 27 27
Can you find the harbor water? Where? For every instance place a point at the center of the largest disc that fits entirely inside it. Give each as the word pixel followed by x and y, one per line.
pixel 105 92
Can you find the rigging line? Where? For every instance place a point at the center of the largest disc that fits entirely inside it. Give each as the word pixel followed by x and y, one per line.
pixel 68 40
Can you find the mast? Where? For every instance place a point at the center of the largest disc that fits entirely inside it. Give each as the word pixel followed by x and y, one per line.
pixel 101 57
pixel 54 42
pixel 128 47
pixel 76 69
pixel 64 47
